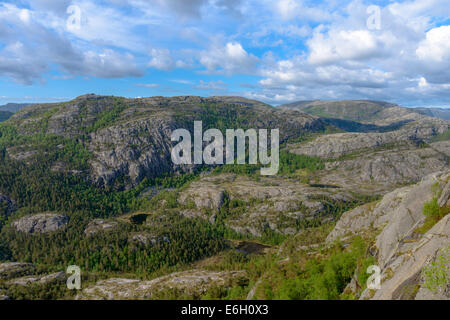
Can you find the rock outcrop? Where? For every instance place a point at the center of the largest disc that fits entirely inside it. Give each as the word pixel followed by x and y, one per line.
pixel 408 264
pixel 339 144
pixel 10 270
pixel 271 203
pixel 401 250
pixel 99 225
pixel 41 223
pixel 132 137
pixel 190 283
pixel 40 279
pixel 204 195
pixel 147 238
pixel 384 169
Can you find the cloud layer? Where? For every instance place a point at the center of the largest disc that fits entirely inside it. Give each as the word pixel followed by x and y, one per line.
pixel 276 51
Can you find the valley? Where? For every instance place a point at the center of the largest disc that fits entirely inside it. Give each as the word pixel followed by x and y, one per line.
pixel 90 182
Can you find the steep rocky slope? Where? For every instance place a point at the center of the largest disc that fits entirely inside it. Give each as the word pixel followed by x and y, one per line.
pixel 131 137
pixel 338 144
pixel 380 161
pixel 403 248
pixel 383 169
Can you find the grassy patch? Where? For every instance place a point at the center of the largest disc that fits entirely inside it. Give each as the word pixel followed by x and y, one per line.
pixel 445 136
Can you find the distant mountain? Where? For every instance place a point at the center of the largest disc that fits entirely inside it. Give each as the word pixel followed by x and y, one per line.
pixel 5 115
pixel 364 115
pixel 131 137
pixel 362 111
pixel 14 107
pixel 434 112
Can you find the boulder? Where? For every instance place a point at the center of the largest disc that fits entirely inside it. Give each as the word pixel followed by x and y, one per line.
pixel 41 223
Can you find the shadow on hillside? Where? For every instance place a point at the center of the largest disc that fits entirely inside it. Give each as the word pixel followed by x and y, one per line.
pixel 353 126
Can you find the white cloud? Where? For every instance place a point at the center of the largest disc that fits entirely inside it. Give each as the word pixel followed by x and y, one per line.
pixel 107 64
pixel 148 85
pixel 211 85
pixel 229 59
pixel 18 62
pixel 161 59
pixel 344 59
pixel 183 8
pixel 296 9
pixel 436 46
pixel 339 45
pixel 25 60
pixel 299 49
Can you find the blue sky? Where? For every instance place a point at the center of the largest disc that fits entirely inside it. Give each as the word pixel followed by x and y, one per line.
pixel 274 51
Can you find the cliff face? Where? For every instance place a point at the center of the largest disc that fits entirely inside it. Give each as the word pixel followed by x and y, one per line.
pixel 131 137
pixel 403 248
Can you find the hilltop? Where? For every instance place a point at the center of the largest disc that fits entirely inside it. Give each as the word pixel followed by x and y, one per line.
pixel 364 115
pixel 14 107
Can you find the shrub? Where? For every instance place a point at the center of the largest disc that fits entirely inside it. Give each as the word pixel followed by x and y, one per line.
pixel 431 208
pixel 437 275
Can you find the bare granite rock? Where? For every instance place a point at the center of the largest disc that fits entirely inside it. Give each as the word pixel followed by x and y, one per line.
pixel 10 270
pixel 192 282
pixel 204 195
pixel 269 202
pixel 407 266
pixel 148 238
pixel 137 142
pixel 41 223
pixel 338 144
pixel 401 251
pixel 380 171
pixel 41 279
pixel 98 225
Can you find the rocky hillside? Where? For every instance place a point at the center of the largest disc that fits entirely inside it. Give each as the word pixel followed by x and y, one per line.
pixel 363 115
pixel 408 242
pixel 353 110
pixel 131 137
pixel 192 284
pixel 90 182
pixel 435 112
pixel 13 107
